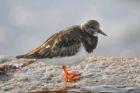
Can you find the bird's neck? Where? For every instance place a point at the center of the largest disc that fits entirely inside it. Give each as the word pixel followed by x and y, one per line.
pixel 82 27
pixel 89 41
pixel 84 30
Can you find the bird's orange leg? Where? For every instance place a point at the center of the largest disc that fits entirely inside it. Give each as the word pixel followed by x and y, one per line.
pixel 73 76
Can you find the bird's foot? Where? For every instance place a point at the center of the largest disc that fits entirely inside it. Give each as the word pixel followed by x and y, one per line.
pixel 70 76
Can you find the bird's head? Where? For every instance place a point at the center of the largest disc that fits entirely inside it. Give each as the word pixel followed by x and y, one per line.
pixel 92 27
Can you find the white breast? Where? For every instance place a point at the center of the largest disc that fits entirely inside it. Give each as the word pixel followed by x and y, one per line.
pixel 81 55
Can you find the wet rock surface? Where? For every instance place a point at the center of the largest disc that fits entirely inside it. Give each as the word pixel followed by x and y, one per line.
pixel 98 75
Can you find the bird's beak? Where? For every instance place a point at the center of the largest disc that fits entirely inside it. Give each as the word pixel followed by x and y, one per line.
pixel 101 32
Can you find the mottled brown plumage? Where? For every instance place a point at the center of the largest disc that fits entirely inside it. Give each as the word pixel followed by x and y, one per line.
pixel 67 42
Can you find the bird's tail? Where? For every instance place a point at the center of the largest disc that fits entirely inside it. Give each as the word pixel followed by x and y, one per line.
pixel 21 56
pixel 27 56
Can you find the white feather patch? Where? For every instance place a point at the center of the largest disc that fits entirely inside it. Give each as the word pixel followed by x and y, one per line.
pixel 81 55
pixel 47 46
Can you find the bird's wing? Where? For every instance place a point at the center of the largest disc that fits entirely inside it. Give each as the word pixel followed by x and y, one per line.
pixel 64 43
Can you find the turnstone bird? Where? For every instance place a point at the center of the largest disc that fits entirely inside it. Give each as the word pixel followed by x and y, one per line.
pixel 70 44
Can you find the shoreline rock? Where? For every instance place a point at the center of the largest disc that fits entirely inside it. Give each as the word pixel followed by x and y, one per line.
pixel 98 74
